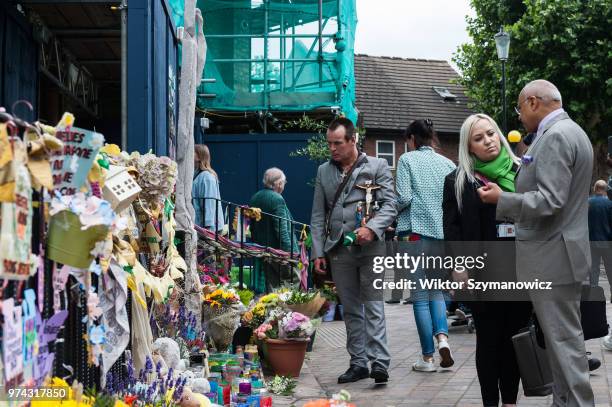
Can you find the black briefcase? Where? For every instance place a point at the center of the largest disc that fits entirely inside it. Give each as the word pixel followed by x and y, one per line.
pixel 593 312
pixel 533 364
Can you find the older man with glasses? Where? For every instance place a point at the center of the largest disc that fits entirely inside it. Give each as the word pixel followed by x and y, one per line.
pixel 550 211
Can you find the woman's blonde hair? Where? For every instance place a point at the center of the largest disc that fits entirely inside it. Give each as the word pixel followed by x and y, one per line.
pixel 465 167
pixel 203 158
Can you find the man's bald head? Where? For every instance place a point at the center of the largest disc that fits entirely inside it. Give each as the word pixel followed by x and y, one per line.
pixel 600 187
pixel 537 99
pixel 543 89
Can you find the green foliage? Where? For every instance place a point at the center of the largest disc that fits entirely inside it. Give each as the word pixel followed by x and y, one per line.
pixel 329 292
pixel 316 148
pixel 296 296
pixel 245 296
pixel 566 42
pixel 282 385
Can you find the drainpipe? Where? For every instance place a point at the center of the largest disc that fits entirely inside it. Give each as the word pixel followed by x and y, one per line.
pixel 124 75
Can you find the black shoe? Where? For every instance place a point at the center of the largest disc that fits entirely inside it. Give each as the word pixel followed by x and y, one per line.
pixel 379 374
pixel 594 363
pixel 392 301
pixel 408 301
pixel 353 374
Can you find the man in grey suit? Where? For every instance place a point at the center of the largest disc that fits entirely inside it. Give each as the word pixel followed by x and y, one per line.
pixel 351 267
pixel 551 214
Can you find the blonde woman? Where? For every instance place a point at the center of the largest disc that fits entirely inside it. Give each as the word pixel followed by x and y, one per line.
pixel 205 188
pixel 484 155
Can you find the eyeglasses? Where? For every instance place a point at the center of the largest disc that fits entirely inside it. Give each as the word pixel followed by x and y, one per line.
pixel 517 108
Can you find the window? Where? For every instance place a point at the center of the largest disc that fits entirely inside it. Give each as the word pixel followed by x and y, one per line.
pixel 386 149
pixel 444 93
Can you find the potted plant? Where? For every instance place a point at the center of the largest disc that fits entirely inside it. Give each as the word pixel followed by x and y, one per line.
pixel 286 337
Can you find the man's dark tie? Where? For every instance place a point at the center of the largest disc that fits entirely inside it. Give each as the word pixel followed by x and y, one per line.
pixel 528 139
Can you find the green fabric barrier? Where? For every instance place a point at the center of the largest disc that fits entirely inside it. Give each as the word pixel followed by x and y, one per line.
pixel 298 84
pixel 246 275
pixel 178 11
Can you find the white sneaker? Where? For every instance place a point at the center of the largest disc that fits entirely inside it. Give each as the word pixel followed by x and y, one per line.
pixel 445 354
pixel 423 366
pixel 607 343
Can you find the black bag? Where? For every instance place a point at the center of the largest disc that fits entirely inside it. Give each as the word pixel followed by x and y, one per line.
pixel 593 312
pixel 536 374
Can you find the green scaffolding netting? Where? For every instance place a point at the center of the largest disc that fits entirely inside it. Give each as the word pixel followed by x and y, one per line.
pixel 266 55
pixel 178 11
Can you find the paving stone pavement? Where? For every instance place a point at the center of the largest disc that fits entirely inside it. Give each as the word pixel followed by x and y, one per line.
pixel 457 386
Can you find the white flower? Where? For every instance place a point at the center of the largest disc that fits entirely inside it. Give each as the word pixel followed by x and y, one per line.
pixel 101 248
pixel 97 141
pixel 74 163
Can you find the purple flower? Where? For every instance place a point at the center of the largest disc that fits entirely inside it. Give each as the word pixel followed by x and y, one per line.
pixel 130 372
pixel 148 365
pixel 178 393
pixel 109 381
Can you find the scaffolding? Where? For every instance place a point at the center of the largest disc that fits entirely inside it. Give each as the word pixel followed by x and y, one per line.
pixel 279 55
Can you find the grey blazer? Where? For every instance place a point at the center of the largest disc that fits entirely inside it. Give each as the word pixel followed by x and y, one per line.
pixel 342 218
pixel 550 205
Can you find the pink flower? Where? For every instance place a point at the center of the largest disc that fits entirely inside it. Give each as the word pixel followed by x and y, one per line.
pixel 262 329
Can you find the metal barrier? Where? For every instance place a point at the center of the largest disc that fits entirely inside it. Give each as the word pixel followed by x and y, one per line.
pixel 230 207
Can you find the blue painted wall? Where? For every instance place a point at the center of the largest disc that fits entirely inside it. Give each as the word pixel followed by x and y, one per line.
pixel 18 62
pixel 152 66
pixel 240 160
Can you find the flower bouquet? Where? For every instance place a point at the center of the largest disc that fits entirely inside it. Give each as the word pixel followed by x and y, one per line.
pixel 328 310
pixel 295 326
pixel 221 311
pixel 258 313
pixel 210 274
pixel 221 298
pixel 307 303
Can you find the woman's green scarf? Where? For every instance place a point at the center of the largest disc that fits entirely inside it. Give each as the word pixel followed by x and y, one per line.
pixel 498 170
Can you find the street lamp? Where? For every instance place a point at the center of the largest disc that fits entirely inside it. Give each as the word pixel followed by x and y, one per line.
pixel 502 43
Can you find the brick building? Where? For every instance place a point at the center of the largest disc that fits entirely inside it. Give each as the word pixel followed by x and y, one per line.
pixel 392 92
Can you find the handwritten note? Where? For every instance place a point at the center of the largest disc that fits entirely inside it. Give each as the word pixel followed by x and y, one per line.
pixel 49 329
pixel 71 165
pixel 12 345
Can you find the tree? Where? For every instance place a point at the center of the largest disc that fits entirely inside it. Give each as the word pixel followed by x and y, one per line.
pixel 566 42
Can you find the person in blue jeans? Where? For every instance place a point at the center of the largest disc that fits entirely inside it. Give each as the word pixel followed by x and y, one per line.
pixel 419 186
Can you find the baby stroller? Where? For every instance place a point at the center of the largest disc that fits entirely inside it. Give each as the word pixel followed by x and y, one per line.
pixel 459 314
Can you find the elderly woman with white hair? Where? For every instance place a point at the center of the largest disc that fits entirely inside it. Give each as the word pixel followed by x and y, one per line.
pixel 272 231
pixel 485 155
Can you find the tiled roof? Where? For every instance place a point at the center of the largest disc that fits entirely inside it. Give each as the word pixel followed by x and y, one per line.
pixel 391 92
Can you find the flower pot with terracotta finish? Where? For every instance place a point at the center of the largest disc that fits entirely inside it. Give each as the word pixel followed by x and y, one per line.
pixel 286 357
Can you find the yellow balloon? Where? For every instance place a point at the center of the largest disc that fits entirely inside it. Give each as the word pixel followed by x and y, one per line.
pixel 514 136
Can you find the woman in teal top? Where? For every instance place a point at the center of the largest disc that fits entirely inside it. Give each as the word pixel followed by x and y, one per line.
pixel 420 185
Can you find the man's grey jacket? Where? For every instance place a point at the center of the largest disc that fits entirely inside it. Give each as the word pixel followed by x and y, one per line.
pixel 342 218
pixel 550 206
